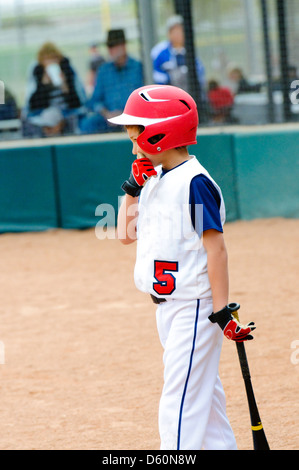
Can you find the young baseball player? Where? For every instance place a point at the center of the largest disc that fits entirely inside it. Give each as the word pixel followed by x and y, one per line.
pixel 181 262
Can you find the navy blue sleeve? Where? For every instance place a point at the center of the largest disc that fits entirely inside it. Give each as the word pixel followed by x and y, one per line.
pixel 204 203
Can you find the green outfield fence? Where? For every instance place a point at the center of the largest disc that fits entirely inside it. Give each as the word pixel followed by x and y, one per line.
pixel 46 184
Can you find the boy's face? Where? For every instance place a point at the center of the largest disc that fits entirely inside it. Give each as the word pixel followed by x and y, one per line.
pixel 133 133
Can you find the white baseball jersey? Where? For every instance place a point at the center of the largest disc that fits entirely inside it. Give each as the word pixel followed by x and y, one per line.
pixel 171 260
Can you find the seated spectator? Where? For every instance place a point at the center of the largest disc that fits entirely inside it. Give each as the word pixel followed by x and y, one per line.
pixel 241 84
pixel 221 101
pixel 54 91
pixel 9 109
pixel 95 61
pixel 116 80
pixel 169 58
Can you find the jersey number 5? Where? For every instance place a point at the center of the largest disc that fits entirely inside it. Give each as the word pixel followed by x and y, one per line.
pixel 165 284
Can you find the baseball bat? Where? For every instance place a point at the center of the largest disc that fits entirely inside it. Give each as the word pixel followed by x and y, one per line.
pixel 258 434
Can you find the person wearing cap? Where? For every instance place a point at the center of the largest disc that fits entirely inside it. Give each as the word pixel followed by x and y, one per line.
pixel 115 81
pixel 169 58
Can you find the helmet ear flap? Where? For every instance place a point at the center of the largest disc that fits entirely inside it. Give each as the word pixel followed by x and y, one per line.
pixel 149 141
pixel 177 132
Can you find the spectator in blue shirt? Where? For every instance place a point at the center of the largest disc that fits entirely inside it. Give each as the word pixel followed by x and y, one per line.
pixel 169 58
pixel 116 80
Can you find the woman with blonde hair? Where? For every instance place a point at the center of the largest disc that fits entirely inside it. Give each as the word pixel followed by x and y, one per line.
pixel 55 95
pixel 49 51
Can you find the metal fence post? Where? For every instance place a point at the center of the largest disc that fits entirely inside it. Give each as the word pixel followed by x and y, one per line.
pixel 284 62
pixel 148 36
pixel 183 8
pixel 268 63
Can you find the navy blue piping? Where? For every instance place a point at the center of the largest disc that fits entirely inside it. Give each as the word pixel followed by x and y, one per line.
pixel 164 172
pixel 188 375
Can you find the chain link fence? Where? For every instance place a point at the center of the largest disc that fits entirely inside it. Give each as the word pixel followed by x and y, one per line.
pixel 61 73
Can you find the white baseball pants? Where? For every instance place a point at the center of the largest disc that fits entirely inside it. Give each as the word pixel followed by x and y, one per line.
pixel 192 410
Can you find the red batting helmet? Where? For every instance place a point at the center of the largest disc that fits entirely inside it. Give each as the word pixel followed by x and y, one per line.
pixel 168 114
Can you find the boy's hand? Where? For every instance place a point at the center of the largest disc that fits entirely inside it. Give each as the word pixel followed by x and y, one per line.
pixel 230 325
pixel 142 170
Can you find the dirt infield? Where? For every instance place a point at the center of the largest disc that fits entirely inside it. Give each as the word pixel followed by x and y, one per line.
pixel 83 364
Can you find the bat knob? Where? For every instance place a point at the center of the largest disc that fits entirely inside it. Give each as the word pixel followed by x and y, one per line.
pixel 233 306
